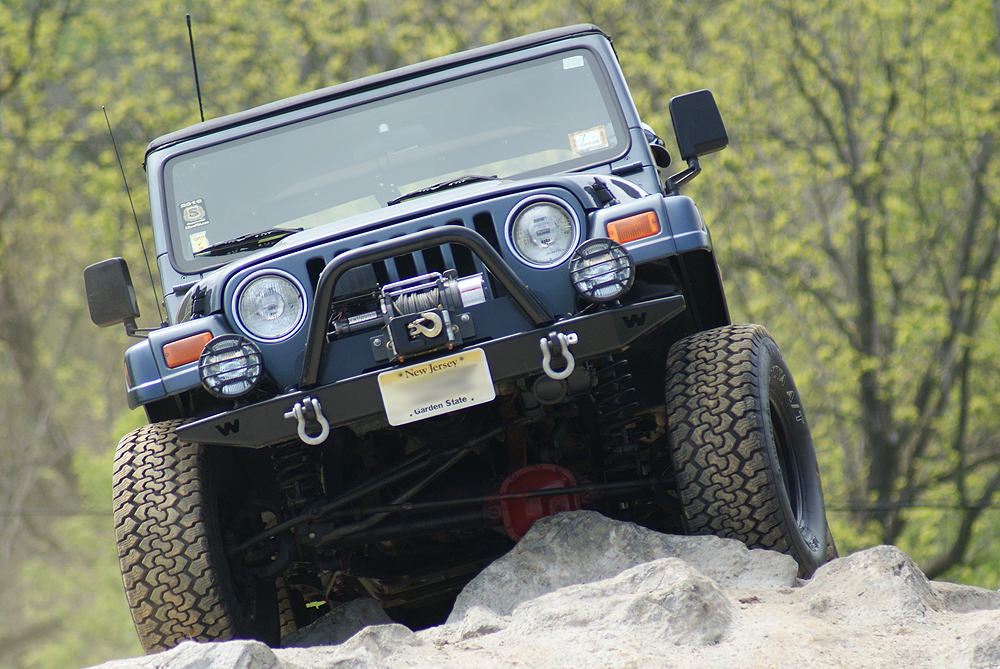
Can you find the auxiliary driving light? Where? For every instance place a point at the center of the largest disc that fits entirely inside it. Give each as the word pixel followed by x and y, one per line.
pixel 230 366
pixel 601 270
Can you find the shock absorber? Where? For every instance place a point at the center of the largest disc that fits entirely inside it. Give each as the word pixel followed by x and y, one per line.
pixel 613 400
pixel 298 471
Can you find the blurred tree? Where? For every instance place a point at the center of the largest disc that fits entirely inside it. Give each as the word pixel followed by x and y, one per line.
pixel 35 456
pixel 861 207
pixel 857 214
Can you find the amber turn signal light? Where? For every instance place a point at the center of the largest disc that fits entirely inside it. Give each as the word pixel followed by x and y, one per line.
pixel 634 227
pixel 186 350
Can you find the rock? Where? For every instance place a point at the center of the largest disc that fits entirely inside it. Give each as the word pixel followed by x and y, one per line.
pixel 664 601
pixel 241 654
pixel 339 625
pixel 985 648
pixel 581 590
pixel 963 598
pixel 368 649
pixel 583 547
pixel 883 586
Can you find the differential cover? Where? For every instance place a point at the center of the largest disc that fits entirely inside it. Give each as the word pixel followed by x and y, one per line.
pixel 520 513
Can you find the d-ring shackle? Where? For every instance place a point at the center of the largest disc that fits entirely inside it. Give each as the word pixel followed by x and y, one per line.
pixel 564 341
pixel 312 406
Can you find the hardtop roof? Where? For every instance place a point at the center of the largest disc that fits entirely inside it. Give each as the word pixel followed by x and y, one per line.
pixel 374 81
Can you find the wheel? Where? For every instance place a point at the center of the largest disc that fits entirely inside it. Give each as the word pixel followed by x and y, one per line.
pixel 171 507
pixel 742 453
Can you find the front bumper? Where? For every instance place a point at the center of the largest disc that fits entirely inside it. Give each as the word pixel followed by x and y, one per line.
pixel 509 358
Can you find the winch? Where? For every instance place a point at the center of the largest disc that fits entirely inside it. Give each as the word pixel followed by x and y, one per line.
pixel 417 315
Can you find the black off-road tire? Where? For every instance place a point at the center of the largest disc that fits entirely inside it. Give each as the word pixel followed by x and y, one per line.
pixel 170 503
pixel 741 449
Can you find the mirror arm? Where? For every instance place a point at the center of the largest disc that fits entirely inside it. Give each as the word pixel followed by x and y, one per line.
pixel 132 330
pixel 673 183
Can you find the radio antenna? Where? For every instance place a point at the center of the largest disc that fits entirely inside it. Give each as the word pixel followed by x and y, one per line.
pixel 149 269
pixel 194 62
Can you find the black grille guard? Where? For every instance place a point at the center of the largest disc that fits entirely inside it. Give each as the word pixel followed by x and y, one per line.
pixel 449 234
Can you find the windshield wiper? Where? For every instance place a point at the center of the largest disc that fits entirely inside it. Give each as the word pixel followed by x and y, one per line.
pixel 250 242
pixel 444 185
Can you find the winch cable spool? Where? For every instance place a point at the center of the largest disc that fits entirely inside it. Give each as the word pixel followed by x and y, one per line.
pixel 411 303
pixel 431 291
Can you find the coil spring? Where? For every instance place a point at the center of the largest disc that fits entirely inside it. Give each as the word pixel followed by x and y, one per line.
pixel 297 468
pixel 614 404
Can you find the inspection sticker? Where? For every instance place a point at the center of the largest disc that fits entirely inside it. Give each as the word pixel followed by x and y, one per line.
pixel 194 213
pixel 199 241
pixel 436 387
pixel 589 140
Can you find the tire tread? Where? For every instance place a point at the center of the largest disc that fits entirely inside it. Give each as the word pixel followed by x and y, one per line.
pixel 164 547
pixel 720 459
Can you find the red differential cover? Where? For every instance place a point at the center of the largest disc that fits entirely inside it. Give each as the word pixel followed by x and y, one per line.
pixel 520 513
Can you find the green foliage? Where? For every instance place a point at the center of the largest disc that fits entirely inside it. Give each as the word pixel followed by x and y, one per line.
pixel 77 584
pixel 856 214
pixel 859 216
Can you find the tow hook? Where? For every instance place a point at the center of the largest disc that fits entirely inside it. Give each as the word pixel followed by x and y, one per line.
pixel 308 413
pixel 562 342
pixel 429 325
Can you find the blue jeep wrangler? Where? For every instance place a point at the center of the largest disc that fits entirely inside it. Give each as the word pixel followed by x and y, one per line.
pixel 412 314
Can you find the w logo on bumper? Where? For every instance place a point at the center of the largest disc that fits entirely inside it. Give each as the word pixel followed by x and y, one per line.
pixel 229 428
pixel 633 320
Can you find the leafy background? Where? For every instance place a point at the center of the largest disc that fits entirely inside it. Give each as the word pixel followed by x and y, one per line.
pixel 856 214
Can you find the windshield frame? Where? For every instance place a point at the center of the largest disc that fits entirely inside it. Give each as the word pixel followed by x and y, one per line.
pixel 395 90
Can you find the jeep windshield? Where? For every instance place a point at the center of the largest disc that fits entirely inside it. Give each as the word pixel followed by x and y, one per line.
pixel 542 116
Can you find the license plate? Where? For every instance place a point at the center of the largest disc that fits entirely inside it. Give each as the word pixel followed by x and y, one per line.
pixel 436 387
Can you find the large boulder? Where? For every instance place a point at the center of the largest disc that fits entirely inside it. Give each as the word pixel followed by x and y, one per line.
pixel 581 590
pixel 584 547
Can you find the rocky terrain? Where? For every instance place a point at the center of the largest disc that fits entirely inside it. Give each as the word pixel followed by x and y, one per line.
pixel 581 590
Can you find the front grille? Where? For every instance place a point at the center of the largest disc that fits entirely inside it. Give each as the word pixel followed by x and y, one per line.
pixel 438 259
pixel 355 303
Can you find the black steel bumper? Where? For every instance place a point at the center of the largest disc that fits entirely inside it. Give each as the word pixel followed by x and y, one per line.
pixel 512 357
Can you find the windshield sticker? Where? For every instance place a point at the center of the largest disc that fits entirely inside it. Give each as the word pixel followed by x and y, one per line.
pixel 572 62
pixel 194 214
pixel 588 140
pixel 199 241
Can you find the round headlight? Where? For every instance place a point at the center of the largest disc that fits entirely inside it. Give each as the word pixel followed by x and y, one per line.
pixel 601 270
pixel 270 306
pixel 543 232
pixel 230 366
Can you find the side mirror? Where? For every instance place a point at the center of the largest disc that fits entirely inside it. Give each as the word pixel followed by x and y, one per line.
pixel 698 124
pixel 110 294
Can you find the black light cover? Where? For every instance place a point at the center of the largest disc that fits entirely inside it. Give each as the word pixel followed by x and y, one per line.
pixel 230 366
pixel 601 270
